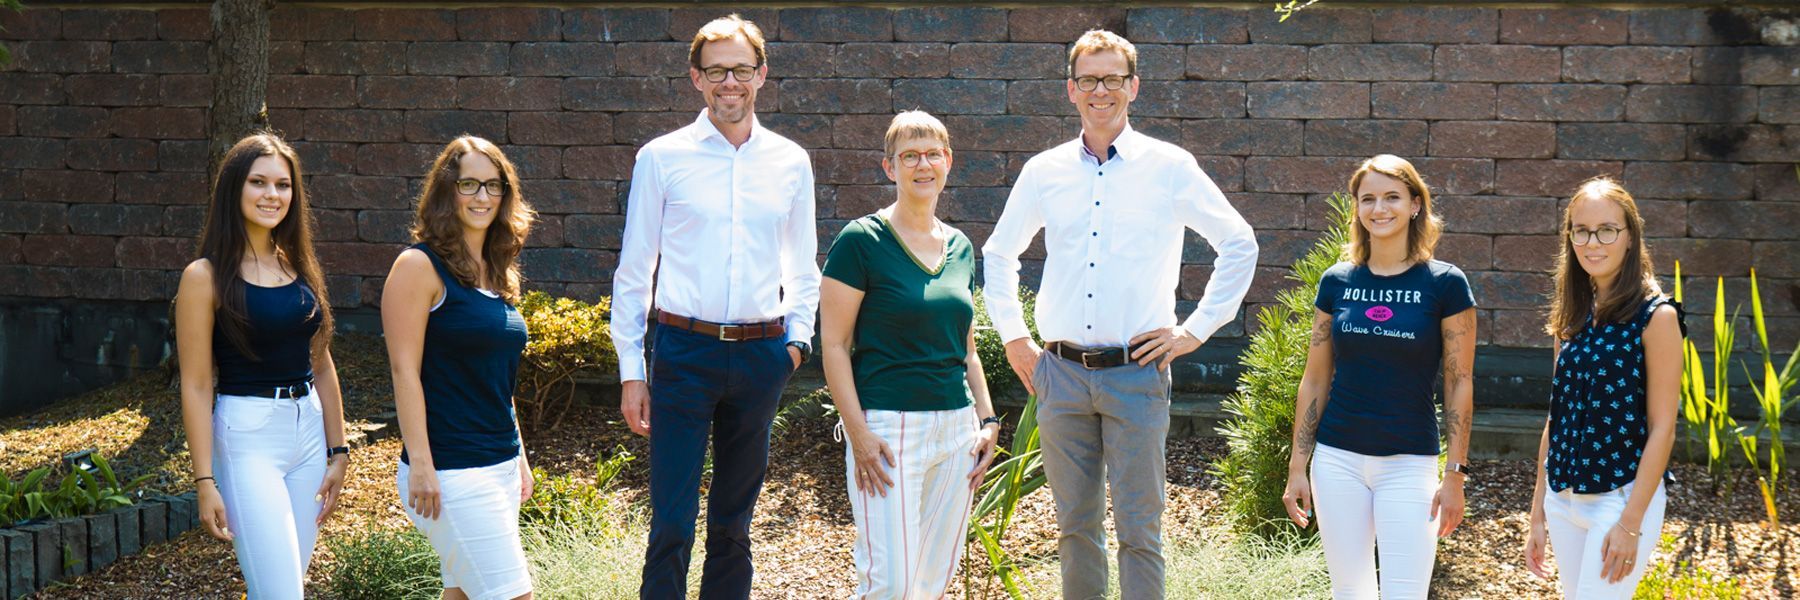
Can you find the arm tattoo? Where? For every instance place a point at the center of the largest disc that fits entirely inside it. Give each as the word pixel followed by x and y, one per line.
pixel 1308 428
pixel 1453 423
pixel 1321 332
pixel 1453 335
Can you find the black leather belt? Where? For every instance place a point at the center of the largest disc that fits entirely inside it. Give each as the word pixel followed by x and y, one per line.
pixel 283 392
pixel 1091 358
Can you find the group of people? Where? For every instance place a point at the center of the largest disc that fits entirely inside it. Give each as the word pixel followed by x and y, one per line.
pixel 719 248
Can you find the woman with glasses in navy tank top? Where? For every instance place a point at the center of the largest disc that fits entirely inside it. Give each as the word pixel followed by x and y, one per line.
pixel 1599 496
pixel 266 440
pixel 454 337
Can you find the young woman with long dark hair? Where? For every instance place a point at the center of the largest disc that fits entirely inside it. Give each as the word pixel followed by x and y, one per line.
pixel 1599 497
pixel 1366 435
pixel 266 441
pixel 454 338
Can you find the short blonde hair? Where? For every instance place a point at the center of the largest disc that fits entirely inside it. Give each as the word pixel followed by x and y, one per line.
pixel 725 28
pixel 1096 40
pixel 912 125
pixel 1421 232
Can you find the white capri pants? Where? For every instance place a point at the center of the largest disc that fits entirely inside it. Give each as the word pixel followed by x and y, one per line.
pixel 909 541
pixel 1369 505
pixel 476 534
pixel 268 461
pixel 1578 524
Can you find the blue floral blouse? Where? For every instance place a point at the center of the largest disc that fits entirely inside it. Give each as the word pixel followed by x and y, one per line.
pixel 1598 405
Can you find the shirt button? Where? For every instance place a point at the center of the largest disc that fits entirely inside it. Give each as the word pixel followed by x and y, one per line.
pixel 1090 327
pixel 1090 264
pixel 1096 203
pixel 1090 295
pixel 1096 234
pixel 1102 173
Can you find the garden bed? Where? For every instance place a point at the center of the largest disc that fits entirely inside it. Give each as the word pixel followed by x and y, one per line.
pixel 803 530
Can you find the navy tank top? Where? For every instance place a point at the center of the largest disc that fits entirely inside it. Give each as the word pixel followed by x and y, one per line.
pixel 473 341
pixel 282 321
pixel 1598 405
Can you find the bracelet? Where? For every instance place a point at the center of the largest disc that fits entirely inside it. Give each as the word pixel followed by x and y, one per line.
pixel 1634 534
pixel 197 480
pixel 995 420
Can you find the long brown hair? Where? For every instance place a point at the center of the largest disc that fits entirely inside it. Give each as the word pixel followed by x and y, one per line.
pixel 1421 232
pixel 224 239
pixel 437 226
pixel 1575 293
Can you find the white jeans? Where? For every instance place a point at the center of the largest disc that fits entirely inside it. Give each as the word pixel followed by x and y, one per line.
pixel 269 460
pixel 909 541
pixel 1578 524
pixel 476 534
pixel 1375 504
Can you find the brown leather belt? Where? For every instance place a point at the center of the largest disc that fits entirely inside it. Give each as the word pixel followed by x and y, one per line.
pixel 746 332
pixel 1091 358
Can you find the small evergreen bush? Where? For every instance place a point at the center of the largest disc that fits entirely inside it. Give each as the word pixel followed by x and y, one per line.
pixel 1260 431
pixel 568 337
pixel 564 500
pixel 385 564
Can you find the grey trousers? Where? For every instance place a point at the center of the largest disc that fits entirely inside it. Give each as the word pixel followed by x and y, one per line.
pixel 1104 428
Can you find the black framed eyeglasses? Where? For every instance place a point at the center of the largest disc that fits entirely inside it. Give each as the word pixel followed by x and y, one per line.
pixel 1087 83
pixel 910 159
pixel 1605 235
pixel 469 187
pixel 740 73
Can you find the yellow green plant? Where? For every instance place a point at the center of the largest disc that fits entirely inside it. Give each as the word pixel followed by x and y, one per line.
pixel 1705 401
pixel 1772 402
pixel 568 337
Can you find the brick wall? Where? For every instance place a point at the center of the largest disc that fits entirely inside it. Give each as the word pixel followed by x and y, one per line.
pixel 102 116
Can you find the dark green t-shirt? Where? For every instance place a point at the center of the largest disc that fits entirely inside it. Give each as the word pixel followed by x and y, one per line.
pixel 912 331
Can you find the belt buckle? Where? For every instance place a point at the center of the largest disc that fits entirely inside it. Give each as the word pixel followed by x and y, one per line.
pixel 1086 354
pixel 723 337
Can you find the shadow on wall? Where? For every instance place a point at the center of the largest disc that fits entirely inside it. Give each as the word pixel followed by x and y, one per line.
pixel 55 349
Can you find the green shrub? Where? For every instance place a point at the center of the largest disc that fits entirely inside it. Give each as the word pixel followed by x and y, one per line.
pixel 1288 566
pixel 80 492
pixel 568 337
pixel 386 564
pixel 595 559
pixel 1002 382
pixel 1260 430
pixel 564 500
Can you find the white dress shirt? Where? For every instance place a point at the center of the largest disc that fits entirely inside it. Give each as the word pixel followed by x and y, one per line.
pixel 732 229
pixel 1113 233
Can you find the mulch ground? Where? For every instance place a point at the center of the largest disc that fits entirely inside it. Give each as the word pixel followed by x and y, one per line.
pixel 803 529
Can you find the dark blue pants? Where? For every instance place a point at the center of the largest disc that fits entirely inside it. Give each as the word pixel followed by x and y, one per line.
pixel 730 390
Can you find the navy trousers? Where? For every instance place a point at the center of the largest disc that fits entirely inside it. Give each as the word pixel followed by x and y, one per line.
pixel 730 390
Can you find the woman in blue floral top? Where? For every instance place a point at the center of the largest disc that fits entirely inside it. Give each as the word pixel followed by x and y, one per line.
pixel 1605 451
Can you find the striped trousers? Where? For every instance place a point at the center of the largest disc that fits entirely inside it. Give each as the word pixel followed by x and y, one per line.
pixel 908 542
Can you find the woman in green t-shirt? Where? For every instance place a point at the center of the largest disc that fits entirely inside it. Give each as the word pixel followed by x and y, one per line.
pixel 897 316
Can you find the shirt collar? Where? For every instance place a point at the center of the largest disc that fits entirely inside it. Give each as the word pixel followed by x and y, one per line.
pixel 1122 147
pixel 705 130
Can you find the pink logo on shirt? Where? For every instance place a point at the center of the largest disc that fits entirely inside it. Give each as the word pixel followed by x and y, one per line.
pixel 1379 314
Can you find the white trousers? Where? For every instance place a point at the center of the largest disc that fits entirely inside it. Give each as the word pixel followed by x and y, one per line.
pixel 1369 505
pixel 269 460
pixel 476 534
pixel 908 542
pixel 1578 524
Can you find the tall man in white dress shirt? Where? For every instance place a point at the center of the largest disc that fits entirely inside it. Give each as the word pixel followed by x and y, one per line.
pixel 1112 204
pixel 725 208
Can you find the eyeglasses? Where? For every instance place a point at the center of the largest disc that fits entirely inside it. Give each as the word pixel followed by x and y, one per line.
pixel 1605 235
pixel 1087 83
pixel 740 73
pixel 911 159
pixel 469 187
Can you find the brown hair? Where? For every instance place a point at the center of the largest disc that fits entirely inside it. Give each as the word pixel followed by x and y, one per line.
pixel 438 227
pixel 912 125
pixel 1576 299
pixel 224 239
pixel 725 28
pixel 1421 232
pixel 1096 40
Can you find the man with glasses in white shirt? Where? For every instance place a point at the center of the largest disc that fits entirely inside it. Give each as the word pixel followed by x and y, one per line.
pixel 721 212
pixel 1112 204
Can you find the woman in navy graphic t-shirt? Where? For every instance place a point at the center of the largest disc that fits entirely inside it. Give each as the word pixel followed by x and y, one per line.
pixel 1366 417
pixel 1599 497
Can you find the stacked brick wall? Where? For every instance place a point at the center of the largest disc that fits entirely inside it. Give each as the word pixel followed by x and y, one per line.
pixel 102 118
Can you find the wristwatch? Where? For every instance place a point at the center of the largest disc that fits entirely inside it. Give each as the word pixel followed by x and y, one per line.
pixel 1456 467
pixel 336 450
pixel 993 420
pixel 804 348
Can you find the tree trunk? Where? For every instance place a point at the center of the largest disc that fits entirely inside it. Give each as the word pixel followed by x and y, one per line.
pixel 239 63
